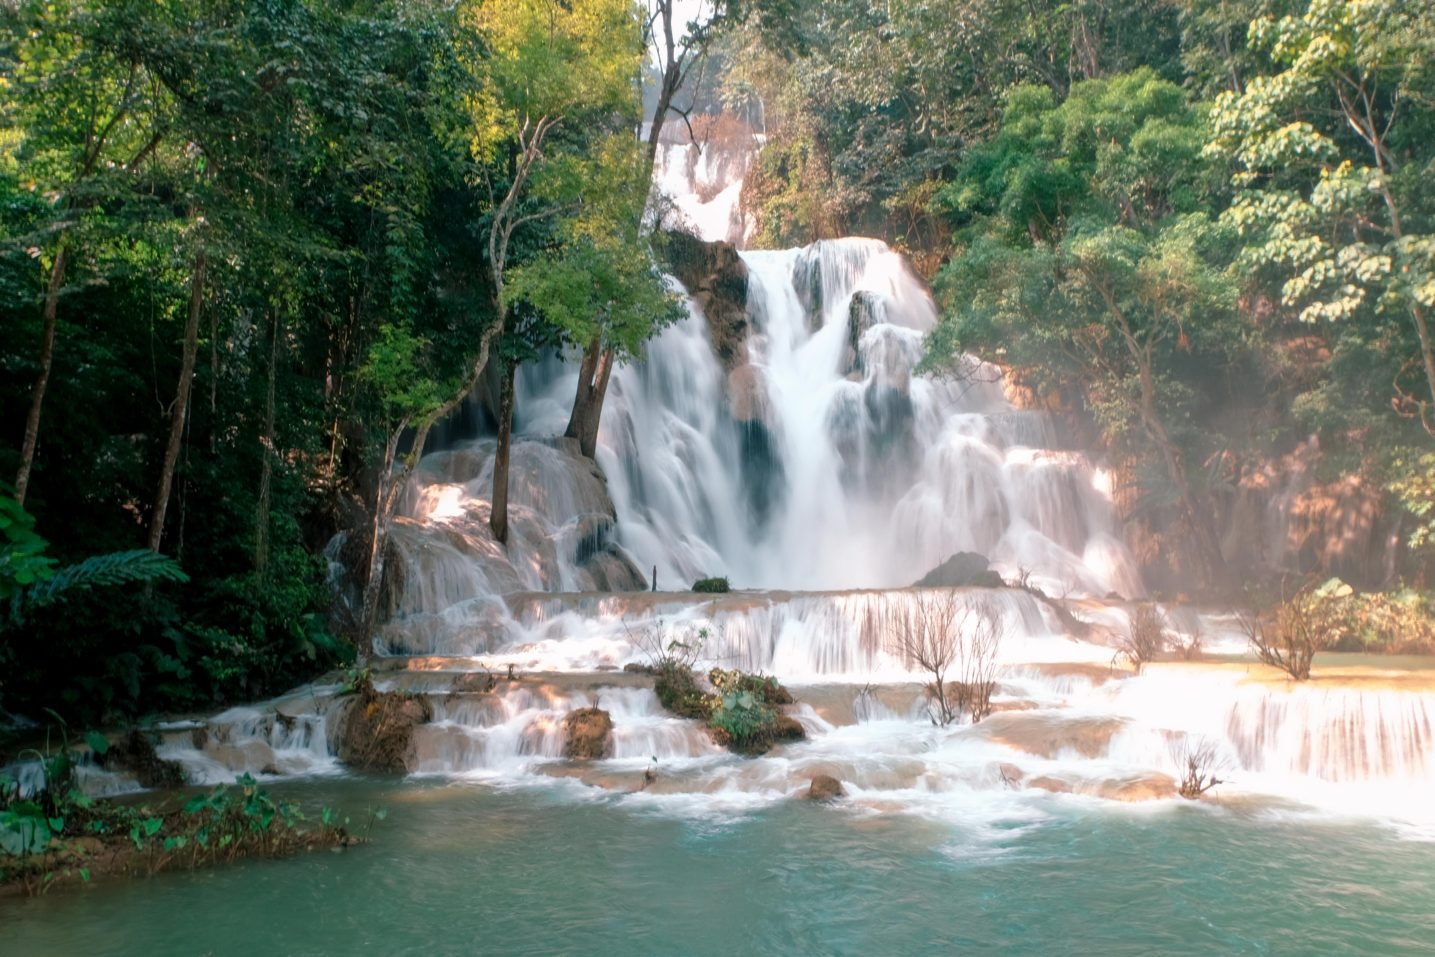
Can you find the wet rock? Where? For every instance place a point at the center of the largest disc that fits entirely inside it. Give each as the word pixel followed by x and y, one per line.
pixel 1146 787
pixel 788 728
pixel 245 756
pixel 587 734
pixel 474 682
pixel 716 277
pixel 956 572
pixel 1011 775
pixel 136 755
pixel 747 395
pixel 377 729
pixel 1047 783
pixel 1049 735
pixel 824 787
pixel 764 485
pixel 866 311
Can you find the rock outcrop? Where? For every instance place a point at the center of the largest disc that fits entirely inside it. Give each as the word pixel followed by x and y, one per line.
pixel 716 277
pixel 587 734
pixel 376 728
pixel 958 571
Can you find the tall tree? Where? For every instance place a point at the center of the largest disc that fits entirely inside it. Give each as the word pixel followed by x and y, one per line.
pixel 1087 260
pixel 549 63
pixel 1333 157
pixel 86 118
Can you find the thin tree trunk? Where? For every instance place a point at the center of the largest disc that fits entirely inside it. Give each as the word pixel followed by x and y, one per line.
pixel 47 358
pixel 181 401
pixel 498 515
pixel 587 415
pixel 391 482
pixel 266 447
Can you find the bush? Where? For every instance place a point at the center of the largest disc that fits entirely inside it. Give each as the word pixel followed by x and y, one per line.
pixel 1400 621
pixel 743 720
pixel 712 586
pixel 1311 620
pixel 1145 638
pixel 938 631
pixel 1197 764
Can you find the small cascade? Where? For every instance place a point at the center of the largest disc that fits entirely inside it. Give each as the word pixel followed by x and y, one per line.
pixel 1340 735
pixel 703 183
pixel 290 736
pixel 507 732
pixel 798 635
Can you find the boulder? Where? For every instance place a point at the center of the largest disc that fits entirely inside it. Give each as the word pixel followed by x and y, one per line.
pixel 716 277
pixel 956 572
pixel 587 734
pixel 866 311
pixel 788 728
pixel 1144 787
pixel 825 787
pixel 1048 783
pixel 376 728
pixel 135 753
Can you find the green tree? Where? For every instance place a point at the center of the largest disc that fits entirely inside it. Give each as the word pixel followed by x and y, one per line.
pixel 1333 157
pixel 1086 259
pixel 549 64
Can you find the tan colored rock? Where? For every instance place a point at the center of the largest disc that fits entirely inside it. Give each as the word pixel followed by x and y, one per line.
pixel 1048 734
pixel 1145 787
pixel 1047 783
pixel 824 787
pixel 587 734
pixel 747 394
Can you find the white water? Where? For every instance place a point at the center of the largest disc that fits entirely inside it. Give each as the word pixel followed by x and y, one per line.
pixel 817 466
pixel 867 477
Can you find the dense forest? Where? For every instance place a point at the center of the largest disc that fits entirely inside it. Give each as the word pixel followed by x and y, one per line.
pixel 253 251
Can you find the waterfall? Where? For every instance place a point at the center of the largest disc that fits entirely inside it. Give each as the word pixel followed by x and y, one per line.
pixel 823 460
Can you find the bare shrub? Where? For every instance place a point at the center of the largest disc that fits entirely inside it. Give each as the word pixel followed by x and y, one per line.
pixel 941 634
pixel 1197 762
pixel 1299 627
pixel 1189 641
pixel 1145 638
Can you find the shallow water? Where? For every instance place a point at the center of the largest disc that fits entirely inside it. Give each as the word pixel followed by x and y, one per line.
pixel 559 869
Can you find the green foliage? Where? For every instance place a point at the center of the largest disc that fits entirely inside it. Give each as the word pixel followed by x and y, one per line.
pixel 1331 154
pixel 23 562
pixel 712 586
pixel 137 566
pixel 1414 487
pixel 742 718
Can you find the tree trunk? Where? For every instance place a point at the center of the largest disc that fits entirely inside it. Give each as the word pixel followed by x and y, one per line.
pixel 266 451
pixel 672 76
pixel 1199 519
pixel 180 411
pixel 498 515
pixel 47 357
pixel 587 414
pixel 391 482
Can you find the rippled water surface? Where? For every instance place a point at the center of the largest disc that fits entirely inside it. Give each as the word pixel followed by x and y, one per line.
pixel 464 869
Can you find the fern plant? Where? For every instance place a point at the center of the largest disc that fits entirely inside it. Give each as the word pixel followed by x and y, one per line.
pixel 29 579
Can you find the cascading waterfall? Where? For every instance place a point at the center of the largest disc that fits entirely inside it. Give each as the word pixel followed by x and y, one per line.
pixel 824 461
pixel 816 460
